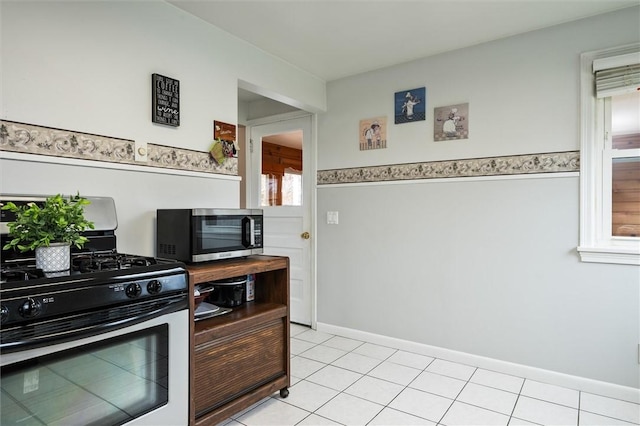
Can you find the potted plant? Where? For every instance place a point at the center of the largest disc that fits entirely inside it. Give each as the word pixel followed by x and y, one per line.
pixel 50 230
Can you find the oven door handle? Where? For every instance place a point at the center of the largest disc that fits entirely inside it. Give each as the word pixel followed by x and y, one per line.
pixel 51 335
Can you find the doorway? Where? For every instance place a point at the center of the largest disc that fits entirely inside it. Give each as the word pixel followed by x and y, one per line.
pixel 280 182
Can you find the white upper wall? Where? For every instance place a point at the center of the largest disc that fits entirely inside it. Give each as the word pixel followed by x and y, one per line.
pixel 87 66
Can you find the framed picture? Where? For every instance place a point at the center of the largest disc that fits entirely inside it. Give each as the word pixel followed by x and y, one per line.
pixel 451 122
pixel 410 105
pixel 373 133
pixel 225 134
pixel 165 100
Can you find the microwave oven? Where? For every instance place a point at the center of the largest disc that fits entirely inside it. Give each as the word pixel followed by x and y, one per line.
pixel 200 235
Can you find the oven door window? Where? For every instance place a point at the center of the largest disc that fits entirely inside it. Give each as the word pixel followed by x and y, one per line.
pixel 105 383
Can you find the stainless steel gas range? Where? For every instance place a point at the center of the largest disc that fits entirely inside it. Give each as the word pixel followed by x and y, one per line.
pixel 104 344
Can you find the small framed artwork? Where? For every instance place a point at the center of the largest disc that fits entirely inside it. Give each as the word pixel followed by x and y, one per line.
pixel 451 122
pixel 224 142
pixel 373 133
pixel 410 105
pixel 165 99
pixel 224 131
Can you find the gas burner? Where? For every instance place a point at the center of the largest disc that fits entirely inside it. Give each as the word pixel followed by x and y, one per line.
pixel 93 262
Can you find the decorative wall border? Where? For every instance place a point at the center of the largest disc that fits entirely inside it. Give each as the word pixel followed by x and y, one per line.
pixel 41 140
pixel 557 162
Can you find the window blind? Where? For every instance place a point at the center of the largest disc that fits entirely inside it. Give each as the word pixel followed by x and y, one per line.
pixel 618 80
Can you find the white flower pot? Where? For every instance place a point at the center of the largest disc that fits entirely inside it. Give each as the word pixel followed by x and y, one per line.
pixel 55 258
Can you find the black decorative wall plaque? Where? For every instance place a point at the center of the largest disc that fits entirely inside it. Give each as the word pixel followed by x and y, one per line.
pixel 166 100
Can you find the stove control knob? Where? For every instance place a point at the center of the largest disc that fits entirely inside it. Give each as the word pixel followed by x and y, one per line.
pixel 30 308
pixel 133 290
pixel 154 287
pixel 4 313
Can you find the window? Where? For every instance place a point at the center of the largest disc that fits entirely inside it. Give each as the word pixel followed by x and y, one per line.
pixel 281 190
pixel 610 156
pixel 269 190
pixel 281 181
pixel 624 152
pixel 292 187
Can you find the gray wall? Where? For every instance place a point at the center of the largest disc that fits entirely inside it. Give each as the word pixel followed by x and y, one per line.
pixel 487 267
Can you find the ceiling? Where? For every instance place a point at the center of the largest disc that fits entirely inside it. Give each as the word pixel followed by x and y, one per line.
pixel 332 39
pixel 290 139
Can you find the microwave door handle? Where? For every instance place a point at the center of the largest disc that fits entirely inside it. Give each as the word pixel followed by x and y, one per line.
pixel 250 239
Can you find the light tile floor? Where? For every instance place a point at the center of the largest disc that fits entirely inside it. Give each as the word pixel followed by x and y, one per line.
pixel 339 381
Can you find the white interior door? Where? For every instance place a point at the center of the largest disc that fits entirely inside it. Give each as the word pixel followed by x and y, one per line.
pixel 287 227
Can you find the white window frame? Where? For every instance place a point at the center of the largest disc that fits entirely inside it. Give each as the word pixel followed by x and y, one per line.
pixel 596 242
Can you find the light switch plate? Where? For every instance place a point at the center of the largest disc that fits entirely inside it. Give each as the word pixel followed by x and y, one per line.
pixel 332 218
pixel 141 151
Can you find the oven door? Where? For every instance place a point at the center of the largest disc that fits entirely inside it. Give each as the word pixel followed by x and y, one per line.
pixel 136 375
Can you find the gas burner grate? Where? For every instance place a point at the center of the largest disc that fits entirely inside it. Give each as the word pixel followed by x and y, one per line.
pixel 92 262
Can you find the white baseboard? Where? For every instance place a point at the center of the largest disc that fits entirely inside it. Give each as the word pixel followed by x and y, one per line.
pixel 538 374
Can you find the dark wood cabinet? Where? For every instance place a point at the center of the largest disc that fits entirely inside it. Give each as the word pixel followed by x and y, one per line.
pixel 243 356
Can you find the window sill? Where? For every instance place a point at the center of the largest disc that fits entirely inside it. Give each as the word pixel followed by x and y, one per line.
pixel 629 255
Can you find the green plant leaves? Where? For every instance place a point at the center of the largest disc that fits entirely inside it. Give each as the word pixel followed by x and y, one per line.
pixel 59 220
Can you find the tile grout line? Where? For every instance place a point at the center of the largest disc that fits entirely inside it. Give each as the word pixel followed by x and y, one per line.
pixel 475 367
pixel 408 385
pixel 405 388
pixel 456 398
pixel 367 375
pixel 579 404
pixel 519 394
pixel 513 410
pixel 340 391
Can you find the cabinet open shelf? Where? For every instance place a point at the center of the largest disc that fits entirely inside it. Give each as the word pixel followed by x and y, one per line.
pixel 240 357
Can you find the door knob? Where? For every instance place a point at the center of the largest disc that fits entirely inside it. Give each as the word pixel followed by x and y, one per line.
pixel 305 235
